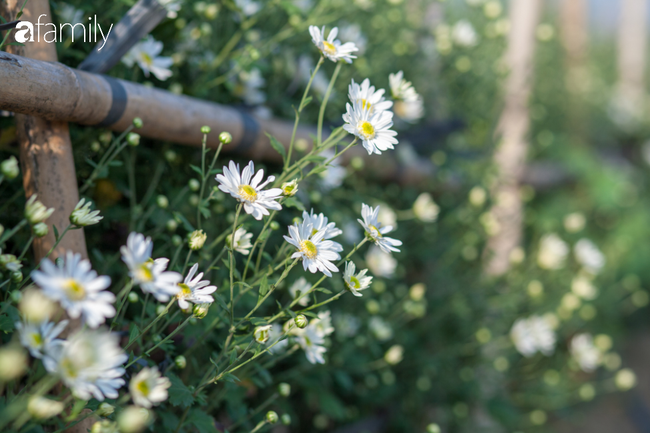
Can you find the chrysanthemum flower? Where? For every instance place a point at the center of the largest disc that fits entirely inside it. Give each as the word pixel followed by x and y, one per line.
pixel 375 230
pixel 408 103
pixel 37 336
pixel 147 55
pixel 89 363
pixel 261 333
pixel 311 341
pixel 78 288
pixel 82 216
pixel 368 97
pixel 148 388
pixel 247 189
pixel 372 129
pixel 315 252
pixel 331 47
pixel 242 241
pixel 320 222
pixel 532 335
pixel 150 274
pixel 355 282
pixel 586 354
pixel 36 212
pixel 194 290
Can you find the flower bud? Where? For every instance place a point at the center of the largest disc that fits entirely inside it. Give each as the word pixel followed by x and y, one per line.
pixel 205 130
pixel 225 137
pixel 274 225
pixel 394 355
pixel 433 428
pixel 284 389
pixel 43 408
pixel 16 277
pixel 171 225
pixel 180 362
pixel 301 321
pixel 194 184
pixel 133 419
pixel 13 363
pixel 36 212
pixel 170 155
pixel 137 122
pixel 10 262
pixel 82 216
pixel 194 200
pixel 261 333
pixel 197 240
pixel 35 307
pixel 160 309
pixel 286 419
pixel 105 409
pixel 9 168
pixel 201 310
pixel 104 426
pixel 162 201
pixel 271 417
pixel 95 146
pixel 40 230
pixel 289 189
pixel 16 296
pixel 133 139
pixel 133 297
pixel 177 240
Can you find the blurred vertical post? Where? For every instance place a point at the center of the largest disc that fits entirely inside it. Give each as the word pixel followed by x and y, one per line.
pixel 511 133
pixel 45 148
pixel 632 44
pixel 574 33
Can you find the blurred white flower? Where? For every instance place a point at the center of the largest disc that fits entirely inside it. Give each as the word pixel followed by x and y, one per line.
pixel 194 290
pixel 394 355
pixel 148 388
pixel 574 222
pixel 347 325
pixel 323 323
pixel 425 209
pixel 82 216
pixel 552 252
pixel 172 6
pixel 331 47
pixel 586 354
pixel 582 286
pixel 381 330
pixel 43 408
pixel 312 341
pixel 463 34
pixel 408 103
pixel 369 98
pixel 376 230
pixel 78 289
pixel 249 89
pixel 242 241
pixel 275 334
pixel 589 256
pixel 147 55
pixel 36 337
pixel 299 287
pixel 380 263
pixel 533 334
pixel 353 33
pixel 335 173
pixel 248 7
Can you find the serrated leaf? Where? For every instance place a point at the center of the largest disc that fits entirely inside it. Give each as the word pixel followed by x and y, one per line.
pixel 205 212
pixel 277 146
pixel 292 202
pixel 203 422
pixel 196 169
pixel 228 377
pixel 179 394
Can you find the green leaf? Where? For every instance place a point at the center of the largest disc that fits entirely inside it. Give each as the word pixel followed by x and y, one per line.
pixel 264 286
pixel 186 224
pixel 6 324
pixel 277 146
pixel 133 332
pixel 306 102
pixel 317 170
pixel 221 301
pixel 233 357
pixel 56 232
pixel 315 158
pixel 203 422
pixel 179 394
pixel 205 212
pixel 196 169
pixel 228 377
pixel 292 202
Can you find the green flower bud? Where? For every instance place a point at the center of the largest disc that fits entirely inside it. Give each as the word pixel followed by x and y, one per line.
pixel 301 321
pixel 105 409
pixel 201 310
pixel 433 428
pixel 289 189
pixel 205 130
pixel 16 296
pixel 40 230
pixel 286 419
pixel 284 389
pixel 133 297
pixel 225 137
pixel 162 201
pixel 82 216
pixel 180 362
pixel 261 333
pixel 177 240
pixel 197 240
pixel 160 309
pixel 274 225
pixel 170 155
pixel 194 184
pixel 271 417
pixel 9 168
pixel 35 211
pixel 137 122
pixel 171 225
pixel 133 139
pixel 16 277
pixel 95 146
pixel 43 408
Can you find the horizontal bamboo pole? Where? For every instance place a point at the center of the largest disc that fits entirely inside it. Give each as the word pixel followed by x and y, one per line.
pixel 54 91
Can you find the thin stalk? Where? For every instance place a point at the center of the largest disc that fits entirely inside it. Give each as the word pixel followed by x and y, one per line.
pixel 145 330
pixel 171 334
pixel 321 113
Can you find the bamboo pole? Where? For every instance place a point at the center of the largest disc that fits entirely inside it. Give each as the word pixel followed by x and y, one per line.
pixel 56 92
pixel 45 149
pixel 574 33
pixel 512 130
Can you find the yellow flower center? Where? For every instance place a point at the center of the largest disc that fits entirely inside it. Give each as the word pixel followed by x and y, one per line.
pixel 185 291
pixel 366 105
pixel 74 290
pixel 143 273
pixel 313 232
pixel 329 48
pixel 367 130
pixel 308 249
pixel 37 339
pixel 147 59
pixel 247 192
pixel 69 369
pixel 374 232
pixel 143 387
pixel 354 282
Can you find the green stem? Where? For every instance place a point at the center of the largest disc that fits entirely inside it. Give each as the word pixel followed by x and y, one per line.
pixel 272 289
pixel 145 330
pixel 171 334
pixel 5 237
pixel 321 114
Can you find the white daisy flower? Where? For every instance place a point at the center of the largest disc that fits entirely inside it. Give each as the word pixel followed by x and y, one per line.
pixel 36 337
pixel 586 354
pixel 89 363
pixel 323 323
pixel 150 274
pixel 552 252
pixel 380 263
pixel 532 335
pixel 331 47
pixel 320 222
pixel 194 290
pixel 242 241
pixel 355 282
pixel 408 103
pixel 372 129
pixel 247 189
pixel 375 230
pixel 299 287
pixel 368 97
pixel 148 388
pixel 589 256
pixel 315 252
pixel 311 341
pixel 77 288
pixel 36 212
pixel 146 55
pixel 82 216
